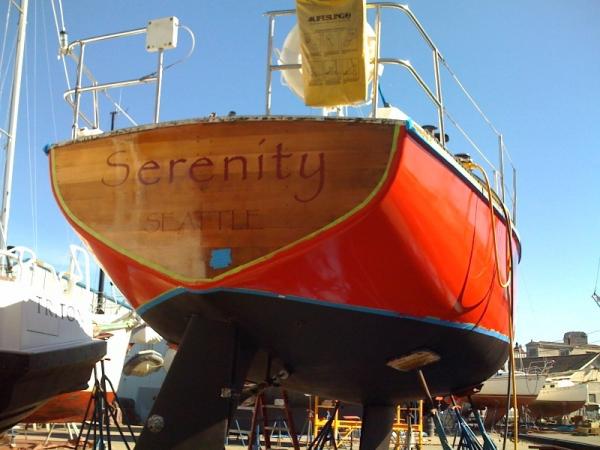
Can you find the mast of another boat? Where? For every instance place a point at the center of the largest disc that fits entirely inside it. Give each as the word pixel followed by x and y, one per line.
pixel 12 127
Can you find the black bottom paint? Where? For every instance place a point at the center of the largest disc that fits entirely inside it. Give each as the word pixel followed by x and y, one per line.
pixel 376 429
pixel 338 353
pixel 198 397
pixel 28 380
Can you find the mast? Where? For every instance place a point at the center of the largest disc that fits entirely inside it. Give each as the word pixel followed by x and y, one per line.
pixel 12 127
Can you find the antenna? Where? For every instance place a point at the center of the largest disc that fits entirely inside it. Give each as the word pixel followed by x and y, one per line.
pixel 595 295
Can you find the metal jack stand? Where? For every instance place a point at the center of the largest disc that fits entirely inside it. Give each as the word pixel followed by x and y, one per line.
pixel 439 428
pixel 326 434
pixel 488 444
pixel 468 440
pixel 102 412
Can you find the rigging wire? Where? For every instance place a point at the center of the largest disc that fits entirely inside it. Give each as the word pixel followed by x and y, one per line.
pixel 474 103
pixel 4 39
pixel 5 77
pixel 49 76
pixel 58 37
pixel 32 139
pixel 30 157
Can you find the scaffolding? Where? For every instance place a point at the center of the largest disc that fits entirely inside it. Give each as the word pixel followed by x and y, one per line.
pixel 346 428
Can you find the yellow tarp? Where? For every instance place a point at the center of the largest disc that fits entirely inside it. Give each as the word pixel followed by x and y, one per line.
pixel 332 42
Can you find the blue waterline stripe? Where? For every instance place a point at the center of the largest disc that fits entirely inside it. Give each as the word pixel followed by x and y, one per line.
pixel 430 320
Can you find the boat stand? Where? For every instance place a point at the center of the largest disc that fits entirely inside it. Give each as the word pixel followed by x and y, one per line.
pixel 98 427
pixel 488 444
pixel 326 435
pixel 439 427
pixel 201 390
pixel 467 438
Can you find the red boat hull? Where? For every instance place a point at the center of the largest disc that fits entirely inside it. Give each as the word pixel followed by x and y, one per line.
pixel 412 269
pixel 65 408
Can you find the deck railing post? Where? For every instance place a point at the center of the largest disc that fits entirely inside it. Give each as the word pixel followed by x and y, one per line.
pixel 375 81
pixel 77 93
pixel 269 68
pixel 159 74
pixel 439 96
pixel 501 161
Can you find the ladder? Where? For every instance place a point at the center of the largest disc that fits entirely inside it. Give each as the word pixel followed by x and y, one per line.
pixel 275 424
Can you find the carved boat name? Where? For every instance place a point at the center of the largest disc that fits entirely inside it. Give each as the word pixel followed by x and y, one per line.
pixel 204 170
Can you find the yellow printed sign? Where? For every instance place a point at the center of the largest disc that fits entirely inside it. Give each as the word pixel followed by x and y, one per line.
pixel 332 42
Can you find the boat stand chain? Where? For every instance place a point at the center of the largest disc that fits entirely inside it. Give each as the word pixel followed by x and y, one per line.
pixel 102 412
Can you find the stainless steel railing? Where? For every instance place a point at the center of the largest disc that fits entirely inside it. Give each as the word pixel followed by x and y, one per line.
pixel 73 96
pixel 506 191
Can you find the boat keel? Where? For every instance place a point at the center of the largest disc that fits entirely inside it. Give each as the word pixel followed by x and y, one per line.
pixel 376 429
pixel 201 389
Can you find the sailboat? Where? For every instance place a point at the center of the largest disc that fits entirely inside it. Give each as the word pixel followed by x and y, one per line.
pixel 558 397
pixel 46 345
pixel 352 258
pixel 115 328
pixel 493 395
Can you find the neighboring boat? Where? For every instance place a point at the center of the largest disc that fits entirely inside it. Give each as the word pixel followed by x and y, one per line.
pixel 46 345
pixel 334 256
pixel 72 406
pixel 559 397
pixel 494 393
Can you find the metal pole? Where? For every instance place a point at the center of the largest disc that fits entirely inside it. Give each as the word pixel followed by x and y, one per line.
pixel 501 158
pixel 159 73
pixel 269 71
pixel 376 63
pixel 438 91
pixel 96 107
pixel 12 128
pixel 514 212
pixel 77 93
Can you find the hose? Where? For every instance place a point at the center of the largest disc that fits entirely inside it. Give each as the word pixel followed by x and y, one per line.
pixel 508 285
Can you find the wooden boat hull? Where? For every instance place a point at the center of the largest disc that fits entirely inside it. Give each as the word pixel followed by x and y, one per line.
pixel 360 243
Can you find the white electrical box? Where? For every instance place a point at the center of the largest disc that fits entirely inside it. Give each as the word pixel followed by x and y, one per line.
pixel 162 34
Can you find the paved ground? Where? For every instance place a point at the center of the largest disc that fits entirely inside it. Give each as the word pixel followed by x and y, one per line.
pixel 35 439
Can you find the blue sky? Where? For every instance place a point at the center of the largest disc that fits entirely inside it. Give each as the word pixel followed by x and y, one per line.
pixel 533 66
